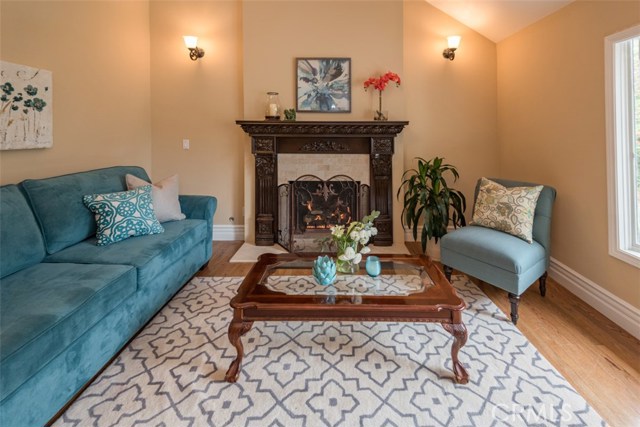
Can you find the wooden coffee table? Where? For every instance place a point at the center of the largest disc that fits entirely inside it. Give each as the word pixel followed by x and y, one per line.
pixel 410 289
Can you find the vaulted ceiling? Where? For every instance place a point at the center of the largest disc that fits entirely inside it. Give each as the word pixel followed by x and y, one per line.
pixel 498 19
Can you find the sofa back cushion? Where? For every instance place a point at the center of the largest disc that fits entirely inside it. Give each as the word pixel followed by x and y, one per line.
pixel 58 206
pixel 21 243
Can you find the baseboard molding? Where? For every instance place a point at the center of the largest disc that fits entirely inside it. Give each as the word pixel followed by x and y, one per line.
pixel 619 311
pixel 228 232
pixel 408 233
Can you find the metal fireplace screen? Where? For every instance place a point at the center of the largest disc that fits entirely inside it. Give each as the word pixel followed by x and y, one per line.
pixel 310 206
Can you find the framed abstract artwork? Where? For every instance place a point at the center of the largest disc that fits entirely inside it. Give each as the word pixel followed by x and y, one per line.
pixel 323 85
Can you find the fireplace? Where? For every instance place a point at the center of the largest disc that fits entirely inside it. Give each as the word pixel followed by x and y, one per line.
pixel 309 206
pixel 269 139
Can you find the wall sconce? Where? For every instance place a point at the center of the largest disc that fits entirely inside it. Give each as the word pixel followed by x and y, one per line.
pixel 192 44
pixel 453 42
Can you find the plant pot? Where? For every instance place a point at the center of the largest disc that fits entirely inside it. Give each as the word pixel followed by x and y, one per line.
pixel 433 249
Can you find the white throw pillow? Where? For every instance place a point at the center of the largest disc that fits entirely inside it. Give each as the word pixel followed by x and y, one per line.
pixel 165 197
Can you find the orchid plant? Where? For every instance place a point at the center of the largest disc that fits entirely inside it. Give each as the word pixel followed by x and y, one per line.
pixel 380 84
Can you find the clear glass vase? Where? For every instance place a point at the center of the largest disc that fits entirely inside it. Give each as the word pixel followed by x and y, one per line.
pixel 348 267
pixel 380 114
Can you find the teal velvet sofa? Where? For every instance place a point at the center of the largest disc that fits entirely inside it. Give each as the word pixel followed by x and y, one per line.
pixel 68 306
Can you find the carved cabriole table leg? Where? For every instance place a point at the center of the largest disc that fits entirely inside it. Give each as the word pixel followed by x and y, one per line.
pixel 459 332
pixel 237 329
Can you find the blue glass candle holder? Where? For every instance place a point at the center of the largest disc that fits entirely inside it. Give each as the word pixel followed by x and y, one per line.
pixel 373 267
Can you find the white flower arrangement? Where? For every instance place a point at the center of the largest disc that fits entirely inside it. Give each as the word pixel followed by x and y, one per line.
pixel 352 242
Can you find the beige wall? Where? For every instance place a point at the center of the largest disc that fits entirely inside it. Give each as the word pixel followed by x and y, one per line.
pixel 99 55
pixel 142 105
pixel 452 105
pixel 277 32
pixel 199 100
pixel 551 119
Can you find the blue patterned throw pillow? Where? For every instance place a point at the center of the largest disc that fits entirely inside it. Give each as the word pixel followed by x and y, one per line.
pixel 123 215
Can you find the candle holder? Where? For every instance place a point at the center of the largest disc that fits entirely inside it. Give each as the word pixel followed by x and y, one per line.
pixel 272 110
pixel 373 266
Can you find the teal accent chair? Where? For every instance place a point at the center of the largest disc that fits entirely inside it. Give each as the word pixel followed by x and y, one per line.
pixel 500 259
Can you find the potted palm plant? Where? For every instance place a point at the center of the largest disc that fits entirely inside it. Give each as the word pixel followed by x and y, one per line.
pixel 428 200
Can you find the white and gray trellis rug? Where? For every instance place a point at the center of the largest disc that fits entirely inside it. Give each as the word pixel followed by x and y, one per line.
pixel 326 373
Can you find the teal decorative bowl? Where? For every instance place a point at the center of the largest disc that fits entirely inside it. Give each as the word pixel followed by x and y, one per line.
pixel 324 270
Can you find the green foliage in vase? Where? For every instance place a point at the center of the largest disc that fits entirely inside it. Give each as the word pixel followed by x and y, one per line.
pixel 429 200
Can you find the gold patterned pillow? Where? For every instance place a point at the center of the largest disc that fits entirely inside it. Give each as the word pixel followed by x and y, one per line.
pixel 508 209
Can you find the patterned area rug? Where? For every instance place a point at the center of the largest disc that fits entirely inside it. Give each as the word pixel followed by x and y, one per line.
pixel 326 374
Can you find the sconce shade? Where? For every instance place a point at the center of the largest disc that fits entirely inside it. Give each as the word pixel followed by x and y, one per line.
pixel 190 41
pixel 453 42
pixel 195 52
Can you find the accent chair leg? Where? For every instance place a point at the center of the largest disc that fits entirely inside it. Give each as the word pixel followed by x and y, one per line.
pixel 447 272
pixel 543 284
pixel 515 300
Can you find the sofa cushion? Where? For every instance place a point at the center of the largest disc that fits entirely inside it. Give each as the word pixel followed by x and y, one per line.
pixel 46 307
pixel 494 247
pixel 123 214
pixel 21 243
pixel 165 197
pixel 58 207
pixel 149 254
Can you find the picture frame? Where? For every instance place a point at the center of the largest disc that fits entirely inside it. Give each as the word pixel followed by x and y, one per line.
pixel 323 85
pixel 26 107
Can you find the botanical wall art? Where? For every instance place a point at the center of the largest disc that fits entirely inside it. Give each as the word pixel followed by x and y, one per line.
pixel 26 115
pixel 323 85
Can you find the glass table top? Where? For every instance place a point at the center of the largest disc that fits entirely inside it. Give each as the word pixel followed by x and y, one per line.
pixel 396 279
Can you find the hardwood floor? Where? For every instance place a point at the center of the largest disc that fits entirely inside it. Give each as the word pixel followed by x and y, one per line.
pixel 596 356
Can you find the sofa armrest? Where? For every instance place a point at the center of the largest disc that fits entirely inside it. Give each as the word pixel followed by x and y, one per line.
pixel 199 207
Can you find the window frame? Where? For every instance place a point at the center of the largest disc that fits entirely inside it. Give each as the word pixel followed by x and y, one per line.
pixel 619 100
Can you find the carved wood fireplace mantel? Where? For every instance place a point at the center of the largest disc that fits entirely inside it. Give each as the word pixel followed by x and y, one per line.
pixel 269 138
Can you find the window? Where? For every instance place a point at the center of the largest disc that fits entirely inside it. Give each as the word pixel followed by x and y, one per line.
pixel 622 72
